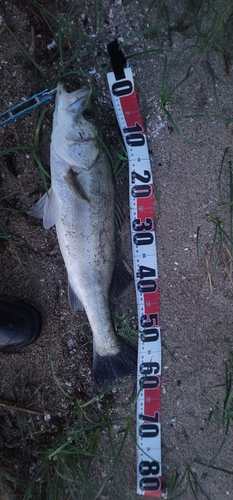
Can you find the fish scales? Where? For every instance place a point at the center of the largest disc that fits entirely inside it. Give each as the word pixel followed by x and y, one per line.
pixel 81 205
pixel 85 232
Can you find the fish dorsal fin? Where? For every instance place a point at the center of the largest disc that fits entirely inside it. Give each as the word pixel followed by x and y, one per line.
pixel 74 301
pixel 120 279
pixel 45 209
pixel 71 180
pixel 119 214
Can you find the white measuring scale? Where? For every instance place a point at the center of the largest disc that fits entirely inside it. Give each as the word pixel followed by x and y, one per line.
pixel 141 202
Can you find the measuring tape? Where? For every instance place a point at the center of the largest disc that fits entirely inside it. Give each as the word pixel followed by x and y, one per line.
pixel 141 202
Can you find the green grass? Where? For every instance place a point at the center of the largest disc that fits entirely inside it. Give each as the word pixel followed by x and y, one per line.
pixel 66 466
pixel 4 235
pixel 223 412
pixel 189 482
pixel 206 26
pixel 179 485
pixel 220 252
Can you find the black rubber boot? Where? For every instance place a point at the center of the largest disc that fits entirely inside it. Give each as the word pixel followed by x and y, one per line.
pixel 20 325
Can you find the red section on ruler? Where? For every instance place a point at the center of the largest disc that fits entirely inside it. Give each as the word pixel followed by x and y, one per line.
pixel 131 111
pixel 152 403
pixel 146 205
pixel 155 494
pixel 151 304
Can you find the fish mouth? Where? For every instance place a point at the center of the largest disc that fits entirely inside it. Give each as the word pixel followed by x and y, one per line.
pixel 72 101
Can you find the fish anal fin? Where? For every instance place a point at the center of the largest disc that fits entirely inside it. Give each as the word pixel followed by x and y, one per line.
pixel 120 279
pixel 74 301
pixel 71 180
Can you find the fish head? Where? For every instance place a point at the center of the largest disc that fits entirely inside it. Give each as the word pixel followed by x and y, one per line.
pixel 75 128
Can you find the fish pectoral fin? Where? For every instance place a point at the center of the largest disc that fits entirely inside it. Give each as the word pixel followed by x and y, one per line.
pixel 120 279
pixel 74 301
pixel 45 209
pixel 71 180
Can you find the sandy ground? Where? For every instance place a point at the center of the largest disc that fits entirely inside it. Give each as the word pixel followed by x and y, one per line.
pixel 196 314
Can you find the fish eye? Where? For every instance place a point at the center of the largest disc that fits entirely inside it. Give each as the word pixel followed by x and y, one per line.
pixel 88 114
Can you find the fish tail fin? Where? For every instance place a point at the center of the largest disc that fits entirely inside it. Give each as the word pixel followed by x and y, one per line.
pixel 108 369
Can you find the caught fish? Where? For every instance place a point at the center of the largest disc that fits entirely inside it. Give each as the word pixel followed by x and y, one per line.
pixel 81 203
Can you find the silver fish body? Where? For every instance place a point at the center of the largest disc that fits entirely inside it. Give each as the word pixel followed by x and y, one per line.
pixel 81 205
